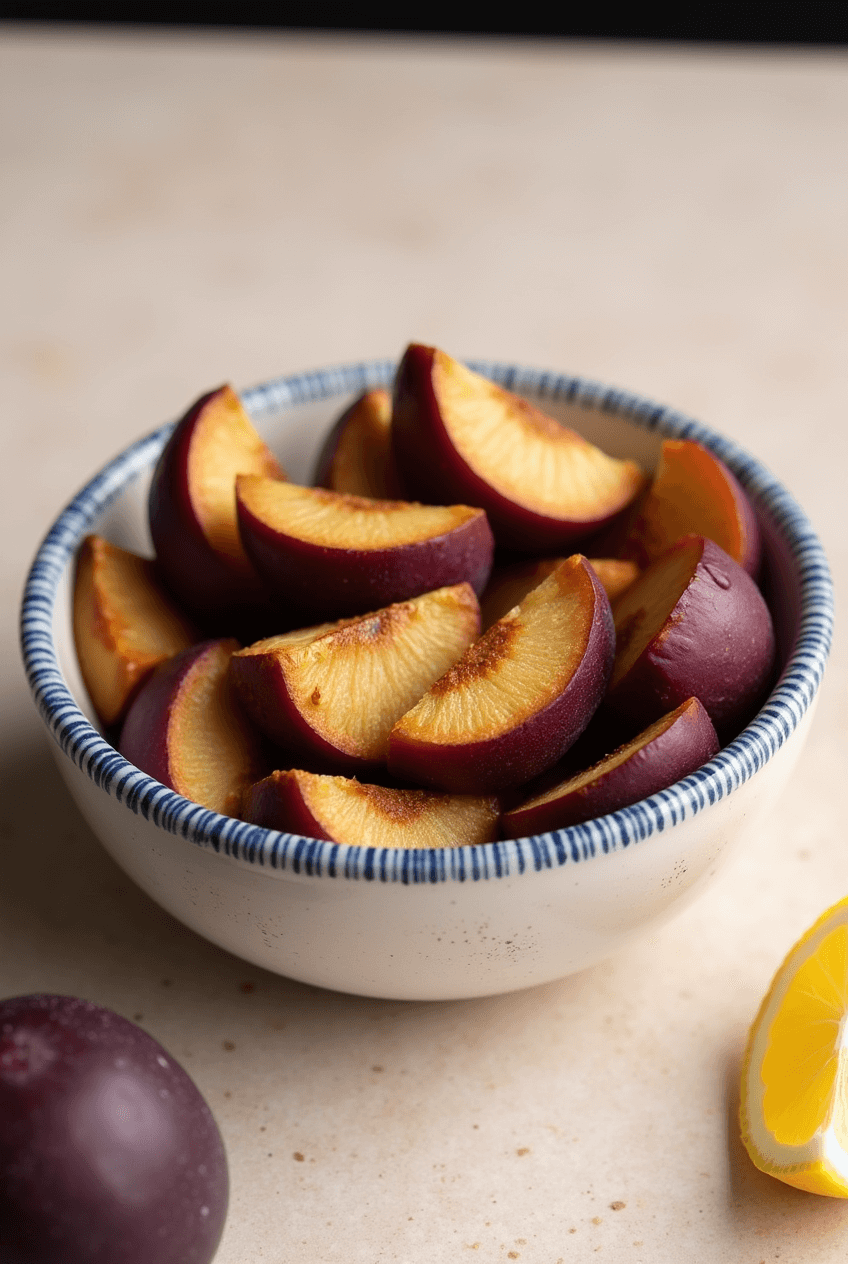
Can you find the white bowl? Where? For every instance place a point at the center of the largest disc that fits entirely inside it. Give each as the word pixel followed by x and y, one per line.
pixel 427 924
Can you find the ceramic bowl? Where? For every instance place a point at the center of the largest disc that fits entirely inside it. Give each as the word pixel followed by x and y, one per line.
pixel 428 924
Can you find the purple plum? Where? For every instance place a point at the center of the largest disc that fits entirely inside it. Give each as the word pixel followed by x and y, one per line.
pixel 108 1152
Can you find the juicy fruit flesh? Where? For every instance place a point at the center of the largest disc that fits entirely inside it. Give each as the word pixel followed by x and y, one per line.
pixel 804 1068
pixel 378 816
pixel 225 444
pixel 511 585
pixel 362 463
pixel 525 455
pixel 691 492
pixel 332 520
pixel 209 760
pixel 354 680
pixel 615 574
pixel 794 1090
pixel 644 608
pixel 124 625
pixel 134 616
pixel 512 669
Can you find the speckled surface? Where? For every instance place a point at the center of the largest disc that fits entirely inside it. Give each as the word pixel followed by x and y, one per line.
pixel 180 210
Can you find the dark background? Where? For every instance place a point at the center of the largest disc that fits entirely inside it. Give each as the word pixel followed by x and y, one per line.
pixel 823 22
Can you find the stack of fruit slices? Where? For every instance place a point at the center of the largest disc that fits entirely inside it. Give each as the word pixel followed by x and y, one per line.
pixel 410 652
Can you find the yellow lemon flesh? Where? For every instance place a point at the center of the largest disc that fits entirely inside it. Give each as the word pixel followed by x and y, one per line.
pixel 794 1099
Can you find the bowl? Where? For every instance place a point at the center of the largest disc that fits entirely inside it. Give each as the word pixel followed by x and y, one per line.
pixel 428 924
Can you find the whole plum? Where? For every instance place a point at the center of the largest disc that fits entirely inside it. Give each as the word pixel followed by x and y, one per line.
pixel 108 1152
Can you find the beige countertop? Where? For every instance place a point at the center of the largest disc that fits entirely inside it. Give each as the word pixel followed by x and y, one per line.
pixel 179 210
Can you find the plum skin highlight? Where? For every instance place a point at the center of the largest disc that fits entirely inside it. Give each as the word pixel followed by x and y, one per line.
pixel 108 1152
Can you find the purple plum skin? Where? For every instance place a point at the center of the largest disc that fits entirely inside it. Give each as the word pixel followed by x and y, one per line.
pixel 334 583
pixel 202 580
pixel 684 746
pixel 433 471
pixel 145 731
pixel 324 461
pixel 387 483
pixel 718 645
pixel 263 691
pixel 108 1152
pixel 277 803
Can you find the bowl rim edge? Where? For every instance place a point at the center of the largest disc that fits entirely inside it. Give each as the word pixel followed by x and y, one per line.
pixel 253 845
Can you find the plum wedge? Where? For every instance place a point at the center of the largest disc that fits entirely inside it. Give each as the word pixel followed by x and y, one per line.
pixel 458 436
pixel 330 555
pixel 331 694
pixel 694 492
pixel 125 624
pixel 693 623
pixel 186 729
pixel 519 697
pixel 357 455
pixel 510 584
pixel 667 750
pixel 192 509
pixel 343 810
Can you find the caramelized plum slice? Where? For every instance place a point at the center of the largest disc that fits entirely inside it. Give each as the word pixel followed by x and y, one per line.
pixel 124 624
pixel 193 508
pixel 343 810
pixel 519 697
pixel 334 691
pixel 458 436
pixel 667 750
pixel 693 624
pixel 332 555
pixel 186 729
pixel 694 492
pixel 357 456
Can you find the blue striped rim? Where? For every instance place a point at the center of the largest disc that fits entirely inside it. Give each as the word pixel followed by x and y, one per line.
pixel 266 848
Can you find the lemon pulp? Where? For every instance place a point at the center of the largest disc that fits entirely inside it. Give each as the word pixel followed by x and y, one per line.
pixel 794 1098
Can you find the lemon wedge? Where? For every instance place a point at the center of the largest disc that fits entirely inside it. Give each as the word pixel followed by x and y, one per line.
pixel 794 1098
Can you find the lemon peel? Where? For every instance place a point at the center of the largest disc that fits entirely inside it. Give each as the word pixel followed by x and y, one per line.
pixel 794 1091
